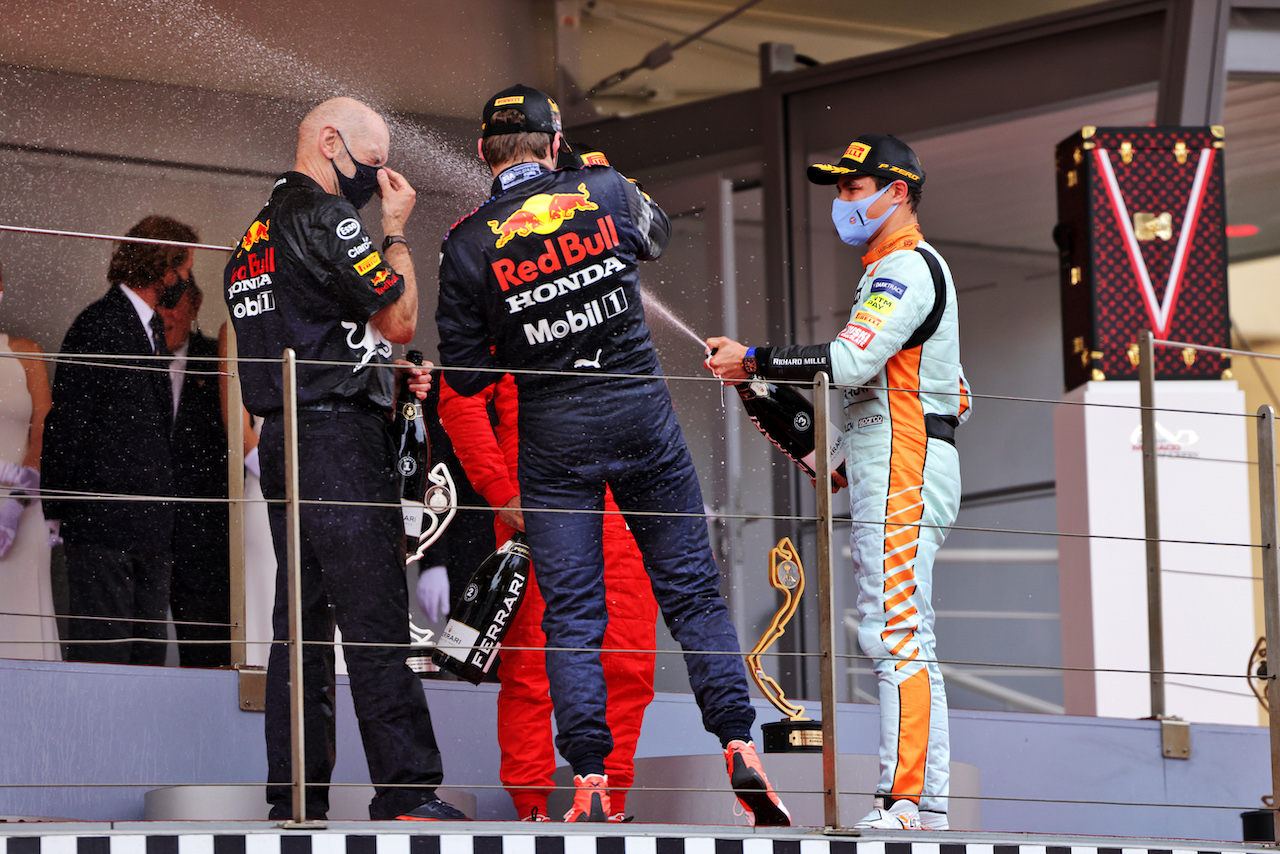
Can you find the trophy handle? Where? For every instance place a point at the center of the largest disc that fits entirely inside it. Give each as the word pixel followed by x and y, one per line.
pixel 440 508
pixel 786 574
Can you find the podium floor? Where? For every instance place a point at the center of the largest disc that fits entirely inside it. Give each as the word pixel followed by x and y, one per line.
pixel 368 837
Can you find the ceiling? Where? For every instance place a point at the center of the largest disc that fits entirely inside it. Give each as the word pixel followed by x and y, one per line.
pixel 443 57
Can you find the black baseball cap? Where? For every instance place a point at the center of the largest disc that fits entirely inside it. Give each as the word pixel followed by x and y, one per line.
pixel 576 156
pixel 873 154
pixel 541 114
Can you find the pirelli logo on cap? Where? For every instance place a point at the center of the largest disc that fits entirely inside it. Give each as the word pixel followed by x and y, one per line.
pixel 857 151
pixel 509 100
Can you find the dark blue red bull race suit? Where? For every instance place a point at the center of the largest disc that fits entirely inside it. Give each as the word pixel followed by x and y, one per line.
pixel 541 281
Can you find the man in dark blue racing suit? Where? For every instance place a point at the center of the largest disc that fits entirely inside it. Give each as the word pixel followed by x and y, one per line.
pixel 307 275
pixel 541 281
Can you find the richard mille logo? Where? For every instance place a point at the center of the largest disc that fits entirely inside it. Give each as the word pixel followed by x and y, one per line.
pixel 1169 443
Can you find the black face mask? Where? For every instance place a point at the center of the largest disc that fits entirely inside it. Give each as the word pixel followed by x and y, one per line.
pixel 171 297
pixel 360 188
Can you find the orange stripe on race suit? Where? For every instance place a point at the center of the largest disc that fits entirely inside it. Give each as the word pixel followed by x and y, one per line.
pixel 964 401
pixel 894 601
pixel 893 621
pixel 913 736
pixel 909 635
pixel 894 580
pixel 906 456
pixel 900 537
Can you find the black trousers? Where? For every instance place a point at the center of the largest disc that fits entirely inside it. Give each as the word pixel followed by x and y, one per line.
pixel 352 574
pixel 109 582
pixel 200 591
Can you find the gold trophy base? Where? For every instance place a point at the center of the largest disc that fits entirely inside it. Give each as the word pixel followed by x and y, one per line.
pixel 792 737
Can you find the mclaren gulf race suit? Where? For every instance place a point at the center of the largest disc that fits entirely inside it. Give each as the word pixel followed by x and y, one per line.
pixel 541 281
pixel 489 455
pixel 306 275
pixel 900 351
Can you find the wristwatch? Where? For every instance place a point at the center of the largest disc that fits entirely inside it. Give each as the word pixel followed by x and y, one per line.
pixel 395 238
pixel 749 362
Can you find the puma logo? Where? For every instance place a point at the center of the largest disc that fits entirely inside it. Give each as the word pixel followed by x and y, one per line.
pixel 589 363
pixel 371 343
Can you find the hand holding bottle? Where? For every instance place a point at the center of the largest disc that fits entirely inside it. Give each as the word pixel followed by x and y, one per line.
pixel 724 359
pixel 417 376
pixel 511 515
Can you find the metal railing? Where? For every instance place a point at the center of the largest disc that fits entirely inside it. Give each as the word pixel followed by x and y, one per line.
pixel 824 520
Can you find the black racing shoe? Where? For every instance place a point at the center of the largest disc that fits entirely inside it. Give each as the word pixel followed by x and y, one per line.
pixel 434 810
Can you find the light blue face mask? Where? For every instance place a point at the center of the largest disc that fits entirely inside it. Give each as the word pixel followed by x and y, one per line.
pixel 851 221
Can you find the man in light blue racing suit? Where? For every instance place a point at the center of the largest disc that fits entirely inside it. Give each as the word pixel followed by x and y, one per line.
pixel 905 393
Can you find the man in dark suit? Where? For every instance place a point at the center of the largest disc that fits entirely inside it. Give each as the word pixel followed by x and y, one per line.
pixel 107 437
pixel 200 592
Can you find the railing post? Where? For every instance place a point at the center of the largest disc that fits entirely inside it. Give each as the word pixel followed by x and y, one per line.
pixel 1151 508
pixel 826 598
pixel 1270 540
pixel 293 539
pixel 235 492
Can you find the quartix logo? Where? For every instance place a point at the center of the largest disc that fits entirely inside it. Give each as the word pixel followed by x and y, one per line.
pixel 542 214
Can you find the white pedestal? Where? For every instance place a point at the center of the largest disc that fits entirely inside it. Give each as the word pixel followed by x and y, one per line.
pixel 1203 478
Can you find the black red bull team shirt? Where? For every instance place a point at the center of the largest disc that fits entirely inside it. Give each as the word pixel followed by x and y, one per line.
pixel 543 276
pixel 307 275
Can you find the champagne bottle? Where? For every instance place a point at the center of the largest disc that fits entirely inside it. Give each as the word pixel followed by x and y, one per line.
pixel 785 418
pixel 469 644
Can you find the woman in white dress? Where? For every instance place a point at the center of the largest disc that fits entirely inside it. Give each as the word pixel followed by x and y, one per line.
pixel 24 537
pixel 259 553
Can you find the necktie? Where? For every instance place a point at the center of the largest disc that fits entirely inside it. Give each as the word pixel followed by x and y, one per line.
pixel 157 335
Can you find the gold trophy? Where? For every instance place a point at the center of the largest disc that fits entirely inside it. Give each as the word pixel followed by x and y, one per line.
pixel 795 733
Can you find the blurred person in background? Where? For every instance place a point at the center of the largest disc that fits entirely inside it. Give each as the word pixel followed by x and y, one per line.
pixel 490 454
pixel 24 538
pixel 108 433
pixel 200 592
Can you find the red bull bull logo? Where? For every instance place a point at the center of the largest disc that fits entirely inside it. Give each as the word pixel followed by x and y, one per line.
pixel 542 214
pixel 256 232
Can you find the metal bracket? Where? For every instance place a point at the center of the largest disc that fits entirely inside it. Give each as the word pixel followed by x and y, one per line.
pixel 1175 738
pixel 253 688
